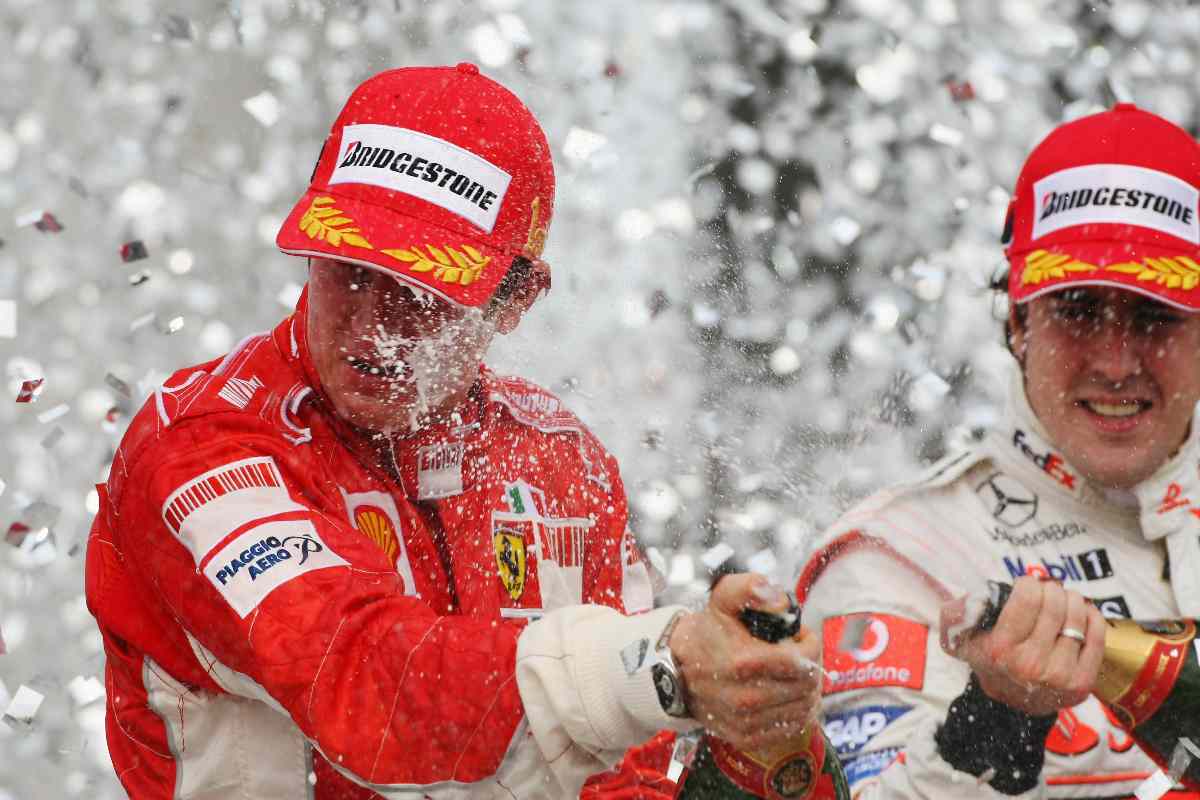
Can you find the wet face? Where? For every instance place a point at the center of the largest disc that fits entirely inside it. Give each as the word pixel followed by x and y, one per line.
pixel 390 358
pixel 1113 376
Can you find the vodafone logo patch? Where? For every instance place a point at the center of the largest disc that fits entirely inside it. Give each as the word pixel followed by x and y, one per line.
pixel 869 650
pixel 875 641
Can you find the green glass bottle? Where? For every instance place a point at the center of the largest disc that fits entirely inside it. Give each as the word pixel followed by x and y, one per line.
pixel 804 769
pixel 1150 678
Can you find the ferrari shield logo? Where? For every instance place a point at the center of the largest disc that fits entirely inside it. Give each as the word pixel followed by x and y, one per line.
pixel 510 559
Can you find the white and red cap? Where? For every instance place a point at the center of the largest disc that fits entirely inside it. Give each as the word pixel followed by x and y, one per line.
pixel 1110 199
pixel 437 175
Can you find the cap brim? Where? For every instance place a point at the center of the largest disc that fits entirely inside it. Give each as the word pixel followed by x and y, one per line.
pixel 325 224
pixel 1168 275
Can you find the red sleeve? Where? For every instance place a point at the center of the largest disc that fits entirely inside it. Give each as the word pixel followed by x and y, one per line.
pixel 313 617
pixel 641 775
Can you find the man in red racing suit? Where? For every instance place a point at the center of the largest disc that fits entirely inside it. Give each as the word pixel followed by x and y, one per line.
pixel 346 561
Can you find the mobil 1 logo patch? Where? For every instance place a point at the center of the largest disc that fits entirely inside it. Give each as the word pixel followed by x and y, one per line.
pixel 1010 502
pixel 851 731
pixel 1116 193
pixel 1090 565
pixel 423 166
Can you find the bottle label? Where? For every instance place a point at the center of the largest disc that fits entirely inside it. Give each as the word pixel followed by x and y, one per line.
pixel 1142 661
pixel 796 775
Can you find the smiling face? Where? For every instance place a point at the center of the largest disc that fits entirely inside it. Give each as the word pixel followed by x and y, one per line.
pixel 390 358
pixel 1114 377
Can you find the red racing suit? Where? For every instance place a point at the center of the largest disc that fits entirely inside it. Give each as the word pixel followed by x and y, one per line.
pixel 293 609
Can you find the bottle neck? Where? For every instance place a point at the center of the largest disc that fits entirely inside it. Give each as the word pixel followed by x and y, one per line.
pixel 1142 661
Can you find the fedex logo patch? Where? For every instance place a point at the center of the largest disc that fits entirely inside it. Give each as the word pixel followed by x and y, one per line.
pixel 866 650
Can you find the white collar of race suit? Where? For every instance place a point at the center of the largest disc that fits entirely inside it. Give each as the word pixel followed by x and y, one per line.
pixel 1167 503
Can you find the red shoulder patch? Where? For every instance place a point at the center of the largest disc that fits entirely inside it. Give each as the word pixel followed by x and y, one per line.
pixel 532 405
pixel 867 650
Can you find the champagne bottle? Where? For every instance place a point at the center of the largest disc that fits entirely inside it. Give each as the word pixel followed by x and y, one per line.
pixel 1150 679
pixel 804 769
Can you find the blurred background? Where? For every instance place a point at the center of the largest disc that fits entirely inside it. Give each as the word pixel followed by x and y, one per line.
pixel 776 225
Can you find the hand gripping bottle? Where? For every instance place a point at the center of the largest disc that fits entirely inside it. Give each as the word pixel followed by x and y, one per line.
pixel 1150 679
pixel 806 768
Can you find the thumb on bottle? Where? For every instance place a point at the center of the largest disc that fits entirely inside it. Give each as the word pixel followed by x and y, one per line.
pixel 960 621
pixel 739 591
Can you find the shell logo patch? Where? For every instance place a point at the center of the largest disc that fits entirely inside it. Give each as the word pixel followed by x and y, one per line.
pixel 374 524
pixel 374 514
pixel 510 560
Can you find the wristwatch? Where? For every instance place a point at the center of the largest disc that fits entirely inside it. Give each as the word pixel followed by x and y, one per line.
pixel 668 682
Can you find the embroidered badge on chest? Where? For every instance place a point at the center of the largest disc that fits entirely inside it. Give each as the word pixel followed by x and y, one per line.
pixel 539 555
pixel 511 559
pixel 440 470
pixel 374 523
pixel 374 515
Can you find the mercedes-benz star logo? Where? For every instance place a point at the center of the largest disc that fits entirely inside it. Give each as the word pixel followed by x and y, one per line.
pixel 1011 503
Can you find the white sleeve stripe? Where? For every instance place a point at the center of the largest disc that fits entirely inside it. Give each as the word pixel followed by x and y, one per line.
pixel 260 472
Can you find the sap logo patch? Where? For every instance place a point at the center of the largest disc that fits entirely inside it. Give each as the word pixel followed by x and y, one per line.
pixel 868 765
pixel 1116 193
pixel 1090 565
pixel 867 650
pixel 423 166
pixel 852 730
pixel 259 561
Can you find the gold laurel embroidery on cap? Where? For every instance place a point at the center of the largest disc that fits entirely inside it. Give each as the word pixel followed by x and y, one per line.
pixel 322 221
pixel 448 265
pixel 1179 272
pixel 1041 266
pixel 536 241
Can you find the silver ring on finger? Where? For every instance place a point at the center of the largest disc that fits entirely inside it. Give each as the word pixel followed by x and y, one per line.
pixel 1073 633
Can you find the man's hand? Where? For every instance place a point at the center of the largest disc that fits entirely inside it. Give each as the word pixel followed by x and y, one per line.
pixel 752 694
pixel 1044 652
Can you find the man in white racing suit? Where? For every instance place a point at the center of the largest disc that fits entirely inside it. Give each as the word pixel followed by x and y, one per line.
pixel 1090 488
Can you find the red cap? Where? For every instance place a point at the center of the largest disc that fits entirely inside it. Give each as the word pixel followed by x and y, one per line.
pixel 438 175
pixel 1110 199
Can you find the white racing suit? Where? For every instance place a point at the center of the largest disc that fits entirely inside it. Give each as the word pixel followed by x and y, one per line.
pixel 1008 507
